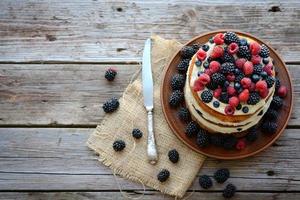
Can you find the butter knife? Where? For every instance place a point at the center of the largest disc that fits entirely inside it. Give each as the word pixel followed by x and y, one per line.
pixel 148 101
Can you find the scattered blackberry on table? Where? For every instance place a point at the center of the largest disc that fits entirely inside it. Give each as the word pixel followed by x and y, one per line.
pixel 205 182
pixel 163 175
pixel 252 135
pixel 276 103
pixel 184 114
pixel 111 105
pixel 257 69
pixel 177 82
pixel 271 114
pixel 270 81
pixel 217 140
pixel 227 68
pixel 244 52
pixel 110 74
pixel 229 191
pixel 119 145
pixel 264 52
pixel 187 52
pixel 173 156
pixel 269 127
pixel 221 175
pixel 229 142
pixel 206 96
pixel 212 85
pixel 253 98
pixel 137 133
pixel 176 98
pixel 224 98
pixel 192 129
pixel 231 37
pixel 218 78
pixel 183 65
pixel 277 84
pixel 202 138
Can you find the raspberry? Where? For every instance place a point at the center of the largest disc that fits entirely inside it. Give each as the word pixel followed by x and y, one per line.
pixel 217 52
pixel 244 95
pixel 282 91
pixel 201 54
pixel 246 83
pixel 264 93
pixel 208 72
pixel 231 91
pixel 261 86
pixel 219 38
pixel 229 110
pixel 204 79
pixel 255 59
pixel 255 48
pixel 217 93
pixel 230 77
pixel 252 87
pixel 214 66
pixel 234 101
pixel 268 68
pixel 241 144
pixel 233 48
pixel 187 52
pixel 198 86
pixel 248 68
pixel 240 62
pixel 110 74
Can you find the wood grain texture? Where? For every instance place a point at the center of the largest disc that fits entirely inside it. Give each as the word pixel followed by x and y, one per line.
pixel 68 94
pixel 148 195
pixel 102 31
pixel 57 159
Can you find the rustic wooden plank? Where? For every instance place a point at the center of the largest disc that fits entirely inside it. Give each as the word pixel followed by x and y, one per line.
pixel 101 31
pixel 148 195
pixel 57 159
pixel 57 94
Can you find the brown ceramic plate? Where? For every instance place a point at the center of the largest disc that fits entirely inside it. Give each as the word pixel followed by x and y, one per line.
pixel 178 127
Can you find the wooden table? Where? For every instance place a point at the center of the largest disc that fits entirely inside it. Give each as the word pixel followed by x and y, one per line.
pixel 53 55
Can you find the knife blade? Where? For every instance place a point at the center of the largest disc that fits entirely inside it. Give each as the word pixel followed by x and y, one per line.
pixel 148 100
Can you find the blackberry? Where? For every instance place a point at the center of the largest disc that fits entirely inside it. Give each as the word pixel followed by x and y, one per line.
pixel 257 69
pixel 192 129
pixel 217 140
pixel 238 72
pixel 212 85
pixel 227 68
pixel 271 114
pixel 253 98
pixel 229 142
pixel 184 114
pixel 163 175
pixel 276 103
pixel 206 96
pixel 187 52
pixel 277 84
pixel 183 65
pixel 173 156
pixel 270 81
pixel 239 78
pixel 177 82
pixel 110 74
pixel 264 52
pixel 231 37
pixel 119 145
pixel 137 133
pixel 221 175
pixel 176 98
pixel 228 57
pixel 252 135
pixel 244 52
pixel 205 181
pixel 111 105
pixel 218 78
pixel 224 98
pixel 202 138
pixel 196 46
pixel 229 191
pixel 269 127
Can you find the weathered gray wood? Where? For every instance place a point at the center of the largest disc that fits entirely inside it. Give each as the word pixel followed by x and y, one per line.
pixel 148 195
pixel 58 94
pixel 115 31
pixel 57 159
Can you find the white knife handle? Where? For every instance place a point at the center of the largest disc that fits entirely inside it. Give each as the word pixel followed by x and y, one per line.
pixel 151 147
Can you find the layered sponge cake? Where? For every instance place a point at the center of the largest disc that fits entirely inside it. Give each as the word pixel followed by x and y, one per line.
pixel 229 83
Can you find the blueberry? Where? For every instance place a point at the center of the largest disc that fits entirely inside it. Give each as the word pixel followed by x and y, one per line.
pixel 243 42
pixel 199 73
pixel 255 78
pixel 239 107
pixel 226 84
pixel 245 109
pixel 211 40
pixel 264 74
pixel 198 63
pixel 216 104
pixel 205 47
pixel 265 60
pixel 237 85
pixel 205 64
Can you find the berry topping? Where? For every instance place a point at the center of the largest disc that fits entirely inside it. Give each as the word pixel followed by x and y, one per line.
pixel 111 105
pixel 205 47
pixel 198 63
pixel 217 93
pixel 219 38
pixel 266 61
pixel 224 97
pixel 255 78
pixel 270 81
pixel 255 59
pixel 239 107
pixel 276 102
pixel 230 77
pixel 231 37
pixel 119 145
pixel 192 129
pixel 233 48
pixel 244 95
pixel 221 175
pixel 243 42
pixel 204 79
pixel 234 101
pixel 229 110
pixel 246 83
pixel 218 78
pixel 264 74
pixel 183 65
pixel 205 182
pixel 206 96
pixel 231 91
pixel 253 98
pixel 214 66
pixel 268 68
pixel 177 82
pixel 282 91
pixel 163 175
pixel 110 74
pixel 255 48
pixel 187 52
pixel 269 127
pixel 241 144
pixel 264 93
pixel 198 86
pixel 216 104
pixel 202 138
pixel 252 135
pixel 257 69
pixel 173 156
pixel 201 54
pixel 227 68
pixel 196 47
pixel 176 98
pixel 244 52
pixel 208 72
pixel 240 62
pixel 245 109
pixel 217 52
pixel 137 133
pixel 264 52
pixel 212 85
pixel 184 114
pixel 261 86
pixel 229 191
pixel 248 68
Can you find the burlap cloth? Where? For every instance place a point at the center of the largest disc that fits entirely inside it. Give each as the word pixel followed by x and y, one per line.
pixel 132 162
